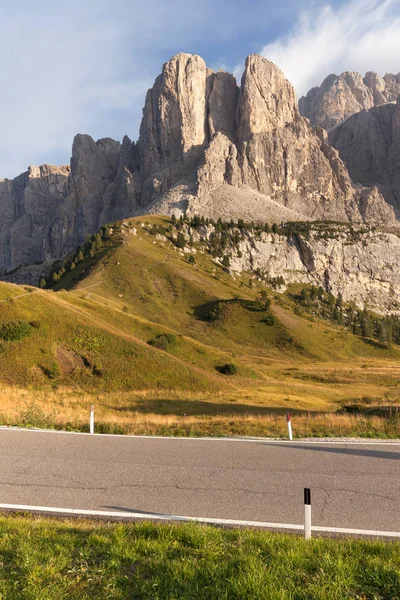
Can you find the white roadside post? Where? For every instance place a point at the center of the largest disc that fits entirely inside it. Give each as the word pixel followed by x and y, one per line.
pixel 92 418
pixel 307 513
pixel 289 426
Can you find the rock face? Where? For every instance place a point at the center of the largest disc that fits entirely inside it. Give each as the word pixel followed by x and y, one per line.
pixel 369 144
pixel 249 143
pixel 206 146
pixel 365 272
pixel 362 266
pixel 340 96
pixel 48 211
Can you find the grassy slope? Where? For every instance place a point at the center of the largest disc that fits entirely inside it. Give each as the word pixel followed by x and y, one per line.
pixel 79 560
pixel 101 325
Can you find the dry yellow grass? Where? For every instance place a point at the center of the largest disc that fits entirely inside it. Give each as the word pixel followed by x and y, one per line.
pixel 64 409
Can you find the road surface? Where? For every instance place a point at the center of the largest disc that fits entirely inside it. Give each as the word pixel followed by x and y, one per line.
pixel 352 485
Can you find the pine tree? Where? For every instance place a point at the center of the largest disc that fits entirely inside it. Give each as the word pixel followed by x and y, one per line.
pixel 382 334
pixel 98 241
pixel 181 241
pixel 42 283
pixel 264 300
pixel 367 326
pixel 331 300
pixel 226 261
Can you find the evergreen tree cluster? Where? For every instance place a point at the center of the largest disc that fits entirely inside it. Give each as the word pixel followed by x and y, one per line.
pixel 92 245
pixel 360 322
pixel 228 234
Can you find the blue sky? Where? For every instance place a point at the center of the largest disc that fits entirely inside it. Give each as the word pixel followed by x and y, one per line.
pixel 84 66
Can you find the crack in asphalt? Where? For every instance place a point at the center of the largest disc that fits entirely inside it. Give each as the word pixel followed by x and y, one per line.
pixel 329 493
pixel 78 486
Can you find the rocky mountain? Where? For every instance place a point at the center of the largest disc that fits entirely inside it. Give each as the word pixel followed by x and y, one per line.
pixel 48 211
pixel 212 148
pixel 206 146
pixel 360 263
pixel 369 144
pixel 340 96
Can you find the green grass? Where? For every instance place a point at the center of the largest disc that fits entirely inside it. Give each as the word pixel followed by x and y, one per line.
pixel 90 338
pixel 46 560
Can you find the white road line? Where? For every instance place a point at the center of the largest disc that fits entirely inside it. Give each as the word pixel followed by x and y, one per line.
pixel 205 520
pixel 363 442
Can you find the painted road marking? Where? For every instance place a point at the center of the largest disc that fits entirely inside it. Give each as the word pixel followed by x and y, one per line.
pixel 371 442
pixel 205 520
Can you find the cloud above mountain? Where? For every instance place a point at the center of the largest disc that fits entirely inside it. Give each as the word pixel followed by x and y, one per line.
pixel 362 35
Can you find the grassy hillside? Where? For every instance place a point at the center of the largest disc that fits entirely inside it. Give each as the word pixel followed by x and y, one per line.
pixel 139 330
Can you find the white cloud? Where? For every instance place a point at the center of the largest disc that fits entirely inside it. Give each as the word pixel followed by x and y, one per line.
pixel 362 35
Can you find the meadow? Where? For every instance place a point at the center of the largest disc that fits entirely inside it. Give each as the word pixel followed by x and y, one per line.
pixel 145 335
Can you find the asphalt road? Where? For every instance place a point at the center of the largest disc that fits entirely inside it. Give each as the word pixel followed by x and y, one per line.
pixel 353 486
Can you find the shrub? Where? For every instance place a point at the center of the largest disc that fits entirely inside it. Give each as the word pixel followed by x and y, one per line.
pixel 32 415
pixel 269 320
pixel 219 312
pixel 228 369
pixel 52 372
pixel 15 331
pixel 98 370
pixel 163 341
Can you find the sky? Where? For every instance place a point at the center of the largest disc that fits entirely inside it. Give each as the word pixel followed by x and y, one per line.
pixel 84 66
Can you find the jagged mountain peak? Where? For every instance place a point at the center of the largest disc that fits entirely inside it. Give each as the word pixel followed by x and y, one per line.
pixel 340 96
pixel 206 146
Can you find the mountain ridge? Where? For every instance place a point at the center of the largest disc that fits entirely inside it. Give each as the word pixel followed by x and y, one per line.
pixel 206 146
pixel 340 96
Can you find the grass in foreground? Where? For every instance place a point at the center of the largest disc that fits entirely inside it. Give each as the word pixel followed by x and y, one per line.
pixel 80 560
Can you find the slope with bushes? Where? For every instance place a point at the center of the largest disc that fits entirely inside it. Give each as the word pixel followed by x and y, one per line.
pixel 142 321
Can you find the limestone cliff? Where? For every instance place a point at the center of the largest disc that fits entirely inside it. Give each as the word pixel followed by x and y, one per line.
pixel 362 265
pixel 340 96
pixel 48 211
pixel 243 150
pixel 369 144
